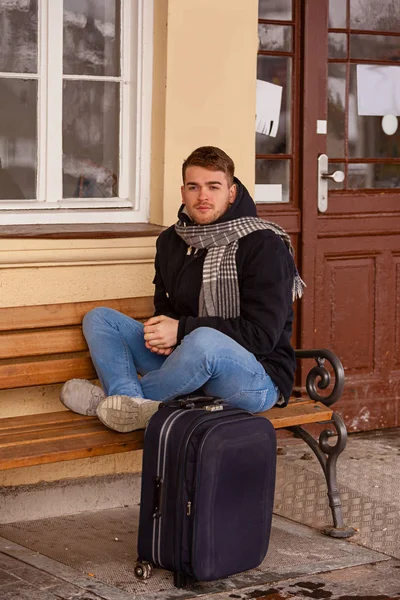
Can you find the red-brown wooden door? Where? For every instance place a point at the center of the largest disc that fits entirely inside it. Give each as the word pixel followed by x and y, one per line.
pixel 350 254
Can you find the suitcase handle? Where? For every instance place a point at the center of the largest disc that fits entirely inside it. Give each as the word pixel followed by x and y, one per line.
pixel 157 497
pixel 201 401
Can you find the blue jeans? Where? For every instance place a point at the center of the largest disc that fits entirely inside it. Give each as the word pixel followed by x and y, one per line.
pixel 206 360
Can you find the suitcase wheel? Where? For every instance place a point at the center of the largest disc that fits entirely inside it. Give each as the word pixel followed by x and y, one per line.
pixel 143 570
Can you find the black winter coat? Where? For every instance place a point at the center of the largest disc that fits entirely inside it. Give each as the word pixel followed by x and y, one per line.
pixel 265 272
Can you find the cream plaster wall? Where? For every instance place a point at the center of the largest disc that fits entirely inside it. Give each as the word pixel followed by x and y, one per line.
pixel 45 271
pixel 209 70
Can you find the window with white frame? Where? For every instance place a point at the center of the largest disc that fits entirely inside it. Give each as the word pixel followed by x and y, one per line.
pixel 75 108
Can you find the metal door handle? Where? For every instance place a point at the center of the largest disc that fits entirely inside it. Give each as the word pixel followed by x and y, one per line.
pixel 323 178
pixel 337 176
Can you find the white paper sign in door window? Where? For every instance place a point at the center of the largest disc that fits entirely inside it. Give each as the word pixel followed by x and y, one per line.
pixel 268 192
pixel 268 107
pixel 378 90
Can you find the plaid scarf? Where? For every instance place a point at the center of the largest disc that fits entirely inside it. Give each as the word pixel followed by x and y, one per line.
pixel 219 295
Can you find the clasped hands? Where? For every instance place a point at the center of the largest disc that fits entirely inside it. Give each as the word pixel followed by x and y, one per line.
pixel 161 334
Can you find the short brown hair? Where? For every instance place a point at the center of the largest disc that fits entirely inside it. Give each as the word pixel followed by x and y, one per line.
pixel 210 157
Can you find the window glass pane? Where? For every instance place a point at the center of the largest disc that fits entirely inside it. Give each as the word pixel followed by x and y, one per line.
pixel 18 139
pixel 276 172
pixel 18 36
pixel 277 70
pixel 90 139
pixel 375 15
pixel 337 14
pixel 92 37
pixel 337 45
pixel 366 136
pixel 275 9
pixel 336 110
pixel 375 47
pixel 364 176
pixel 275 37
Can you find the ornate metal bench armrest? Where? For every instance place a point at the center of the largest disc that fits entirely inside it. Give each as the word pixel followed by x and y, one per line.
pixel 319 375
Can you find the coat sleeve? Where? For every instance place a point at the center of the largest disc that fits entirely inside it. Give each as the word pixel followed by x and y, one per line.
pixel 162 304
pixel 266 271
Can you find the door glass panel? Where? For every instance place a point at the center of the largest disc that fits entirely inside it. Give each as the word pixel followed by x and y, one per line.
pixel 337 45
pixel 375 15
pixel 90 139
pixel 375 47
pixel 336 110
pixel 376 176
pixel 18 36
pixel 92 37
pixel 277 70
pixel 367 138
pixel 275 9
pixel 337 14
pixel 276 172
pixel 275 37
pixel 18 139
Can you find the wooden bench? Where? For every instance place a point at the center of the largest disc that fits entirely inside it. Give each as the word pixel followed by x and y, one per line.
pixel 44 344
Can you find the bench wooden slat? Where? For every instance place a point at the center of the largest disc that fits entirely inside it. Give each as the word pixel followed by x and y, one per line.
pixel 69 448
pixel 64 418
pixel 45 341
pixel 25 374
pixel 298 413
pixel 53 437
pixel 52 333
pixel 52 433
pixel 56 315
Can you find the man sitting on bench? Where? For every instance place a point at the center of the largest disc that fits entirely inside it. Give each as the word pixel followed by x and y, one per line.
pixel 224 286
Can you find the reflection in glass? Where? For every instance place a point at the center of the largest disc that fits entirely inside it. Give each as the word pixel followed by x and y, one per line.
pixel 332 185
pixel 337 45
pixel 275 37
pixel 18 139
pixel 275 9
pixel 373 176
pixel 336 110
pixel 337 14
pixel 92 37
pixel 375 47
pixel 366 136
pixel 375 15
pixel 18 36
pixel 276 172
pixel 277 70
pixel 90 139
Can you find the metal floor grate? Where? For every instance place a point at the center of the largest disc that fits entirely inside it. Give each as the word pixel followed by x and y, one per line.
pixel 103 544
pixel 369 481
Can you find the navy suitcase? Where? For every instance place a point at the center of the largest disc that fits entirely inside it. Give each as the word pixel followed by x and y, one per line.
pixel 208 484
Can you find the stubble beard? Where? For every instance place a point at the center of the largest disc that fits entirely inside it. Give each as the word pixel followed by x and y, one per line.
pixel 210 219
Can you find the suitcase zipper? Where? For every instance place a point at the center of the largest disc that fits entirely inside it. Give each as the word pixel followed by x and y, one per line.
pixel 164 433
pixel 161 462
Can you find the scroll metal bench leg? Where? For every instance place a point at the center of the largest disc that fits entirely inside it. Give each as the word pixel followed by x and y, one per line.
pixel 327 455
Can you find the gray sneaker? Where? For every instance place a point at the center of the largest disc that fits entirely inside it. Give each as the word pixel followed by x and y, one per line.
pixel 124 413
pixel 81 396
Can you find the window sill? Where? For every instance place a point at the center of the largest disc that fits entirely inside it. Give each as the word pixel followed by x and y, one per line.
pixel 81 231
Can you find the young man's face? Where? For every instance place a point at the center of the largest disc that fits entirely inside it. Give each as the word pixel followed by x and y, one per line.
pixel 206 194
